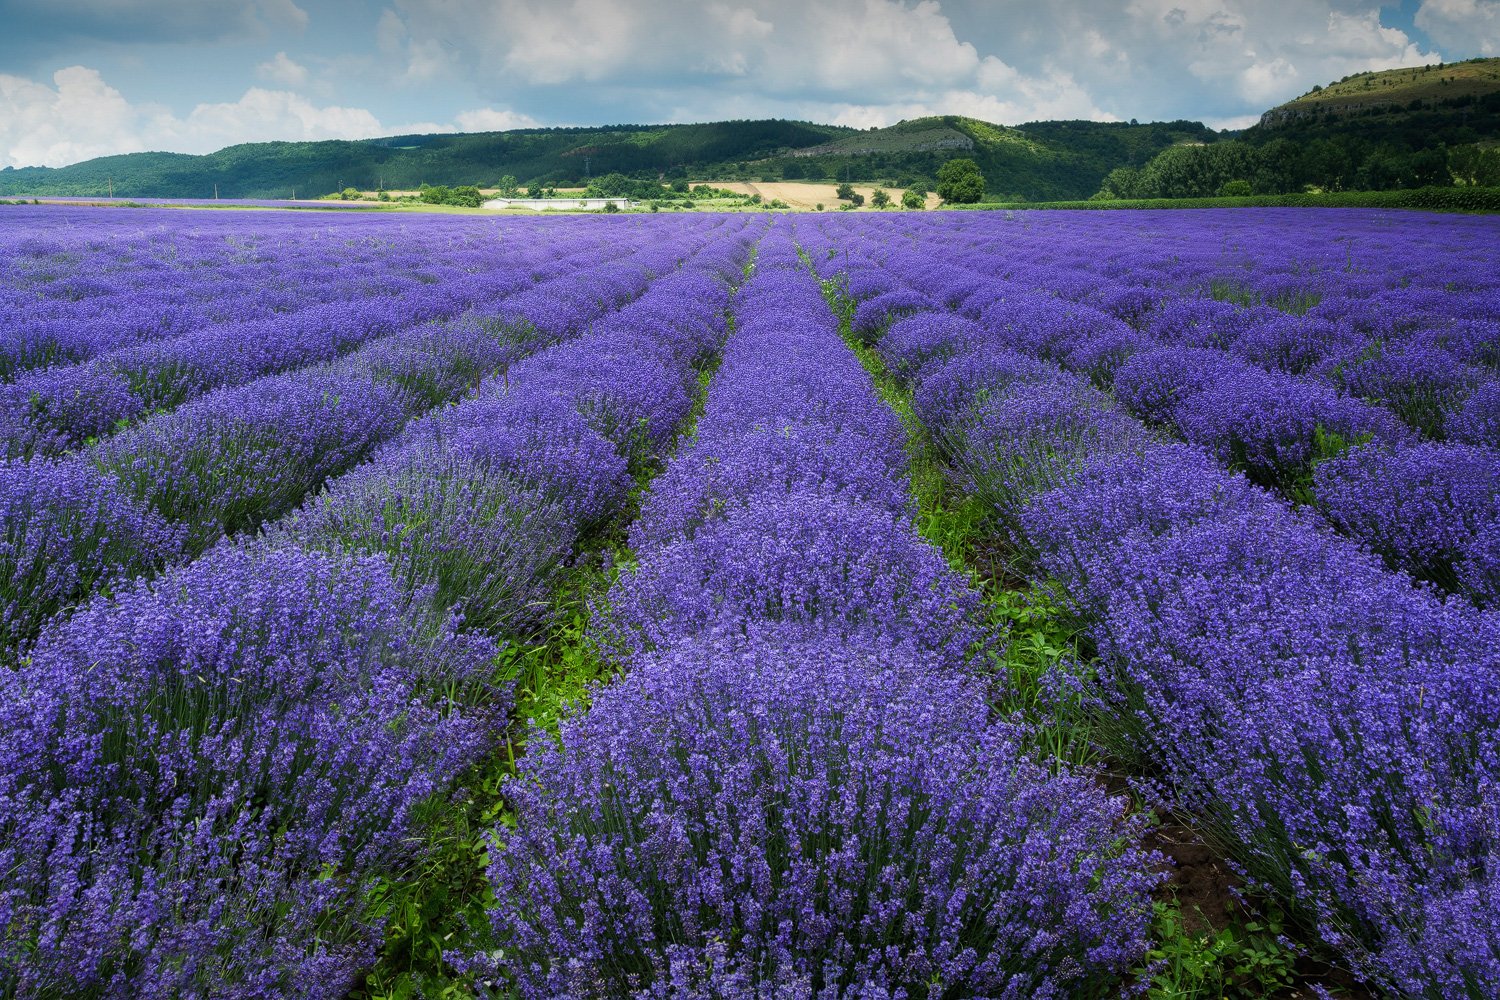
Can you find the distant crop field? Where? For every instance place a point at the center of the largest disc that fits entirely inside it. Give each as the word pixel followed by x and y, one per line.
pixel 985 604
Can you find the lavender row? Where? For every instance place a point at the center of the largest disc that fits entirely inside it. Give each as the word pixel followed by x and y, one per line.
pixel 90 288
pixel 233 459
pixel 60 408
pixel 1330 724
pixel 1438 516
pixel 274 715
pixel 1424 343
pixel 797 789
pixel 483 502
pixel 1356 306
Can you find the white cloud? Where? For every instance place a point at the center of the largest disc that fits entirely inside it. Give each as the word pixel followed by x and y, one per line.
pixel 492 120
pixel 1263 52
pixel 283 70
pixel 1469 26
pixel 1232 122
pixel 79 117
pixel 855 60
pixel 1203 59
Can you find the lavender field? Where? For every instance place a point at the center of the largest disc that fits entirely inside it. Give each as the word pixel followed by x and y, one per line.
pixel 749 606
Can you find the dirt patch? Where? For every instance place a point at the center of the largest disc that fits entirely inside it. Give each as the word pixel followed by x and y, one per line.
pixel 1201 881
pixel 807 195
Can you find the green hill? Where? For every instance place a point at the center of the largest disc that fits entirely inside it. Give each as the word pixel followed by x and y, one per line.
pixel 1458 89
pixel 1038 161
pixel 550 156
pixel 1041 160
pixel 1430 126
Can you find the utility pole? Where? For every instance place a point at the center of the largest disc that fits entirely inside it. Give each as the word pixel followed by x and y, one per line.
pixel 111 181
pixel 216 192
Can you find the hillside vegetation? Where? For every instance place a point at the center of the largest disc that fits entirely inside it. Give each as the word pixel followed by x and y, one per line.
pixel 1432 126
pixel 1038 161
pixel 1394 130
pixel 554 156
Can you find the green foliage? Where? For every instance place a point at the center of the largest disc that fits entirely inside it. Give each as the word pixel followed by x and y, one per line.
pixel 1295 302
pixel 880 198
pixel 1475 165
pixel 1235 189
pixel 548 157
pixel 1243 960
pixel 914 200
pixel 1452 199
pixel 508 186
pixel 1038 161
pixel 845 192
pixel 1371 138
pixel 960 182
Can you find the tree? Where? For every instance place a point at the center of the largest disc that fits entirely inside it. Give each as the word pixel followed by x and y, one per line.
pixel 845 192
pixel 856 200
pixel 1474 165
pixel 914 200
pixel 1121 182
pixel 508 186
pixel 1235 189
pixel 467 196
pixel 880 199
pixel 960 182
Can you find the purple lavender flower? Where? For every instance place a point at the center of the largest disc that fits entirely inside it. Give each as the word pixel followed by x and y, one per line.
pixel 1153 383
pixel 831 817
pixel 1421 384
pixel 801 559
pixel 241 745
pixel 482 544
pixel 1420 507
pixel 1477 421
pixel 231 460
pixel 67 531
pixel 1276 427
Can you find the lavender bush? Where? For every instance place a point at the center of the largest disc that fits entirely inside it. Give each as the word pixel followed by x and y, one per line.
pixel 819 818
pixel 239 745
pixel 1423 508
pixel 66 532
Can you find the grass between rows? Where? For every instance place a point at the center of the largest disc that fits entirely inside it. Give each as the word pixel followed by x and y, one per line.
pixel 440 905
pixel 1239 953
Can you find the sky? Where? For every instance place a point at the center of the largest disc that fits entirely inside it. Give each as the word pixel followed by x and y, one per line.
pixel 85 78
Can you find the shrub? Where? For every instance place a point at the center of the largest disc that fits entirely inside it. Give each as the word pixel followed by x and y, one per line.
pixel 960 182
